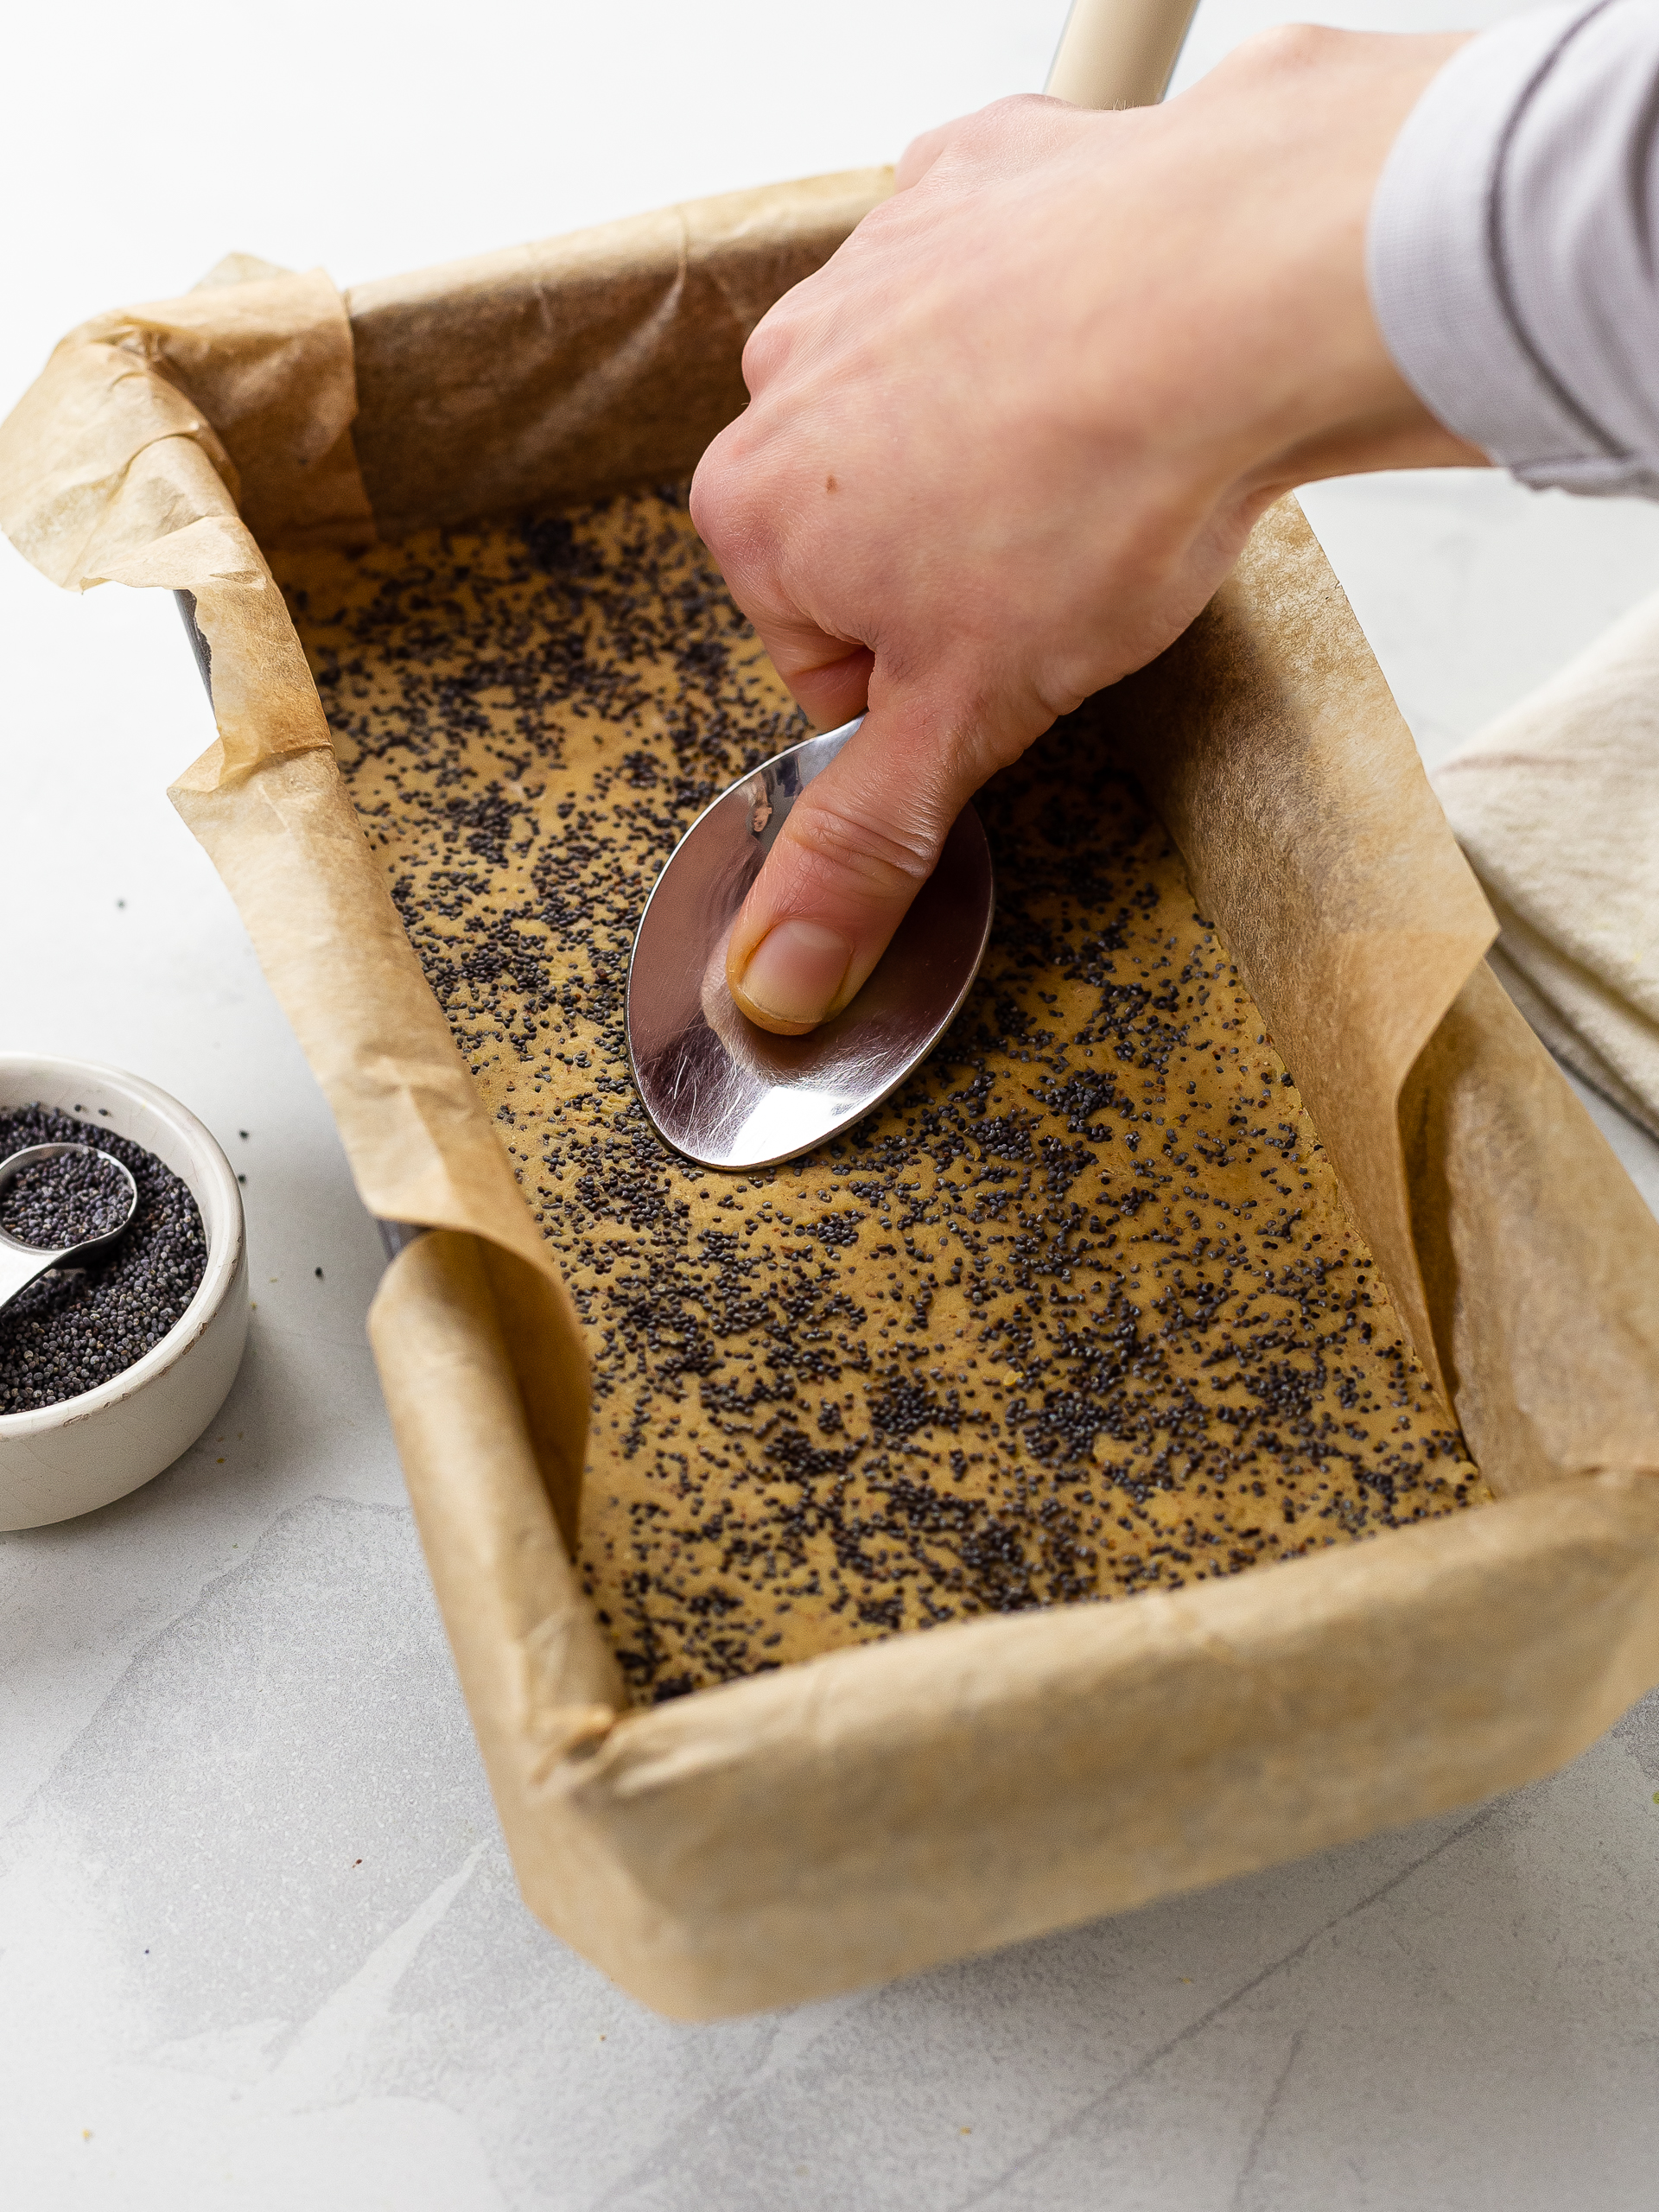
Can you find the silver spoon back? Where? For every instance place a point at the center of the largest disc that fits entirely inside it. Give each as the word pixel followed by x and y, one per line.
pixel 732 1096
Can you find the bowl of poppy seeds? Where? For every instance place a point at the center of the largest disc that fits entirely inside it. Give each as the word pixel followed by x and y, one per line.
pixel 109 1368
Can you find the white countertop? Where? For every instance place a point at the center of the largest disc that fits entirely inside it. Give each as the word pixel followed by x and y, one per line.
pixel 259 1945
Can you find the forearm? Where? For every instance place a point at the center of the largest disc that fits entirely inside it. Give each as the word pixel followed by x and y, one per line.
pixel 1003 448
pixel 1512 247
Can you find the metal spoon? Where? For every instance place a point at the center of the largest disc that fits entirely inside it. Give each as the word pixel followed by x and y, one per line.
pixel 731 1096
pixel 21 1263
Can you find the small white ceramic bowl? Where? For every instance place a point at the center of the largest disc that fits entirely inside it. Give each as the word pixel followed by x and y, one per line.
pixel 73 1457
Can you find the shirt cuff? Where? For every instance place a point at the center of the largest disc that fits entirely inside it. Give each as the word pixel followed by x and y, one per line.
pixel 1436 272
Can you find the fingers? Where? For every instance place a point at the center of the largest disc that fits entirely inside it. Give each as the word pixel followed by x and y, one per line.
pixel 832 692
pixel 858 844
pixel 829 674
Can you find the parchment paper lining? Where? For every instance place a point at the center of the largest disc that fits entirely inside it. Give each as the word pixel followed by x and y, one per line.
pixel 869 1813
pixel 1078 1313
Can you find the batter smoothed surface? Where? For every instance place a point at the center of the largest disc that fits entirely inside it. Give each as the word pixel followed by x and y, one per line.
pixel 1078 1313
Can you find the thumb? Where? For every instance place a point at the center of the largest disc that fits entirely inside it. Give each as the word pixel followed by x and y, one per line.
pixel 859 842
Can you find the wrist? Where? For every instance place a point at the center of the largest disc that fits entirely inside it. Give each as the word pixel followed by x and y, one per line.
pixel 1311 115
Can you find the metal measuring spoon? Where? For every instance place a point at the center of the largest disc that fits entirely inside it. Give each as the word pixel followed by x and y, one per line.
pixel 21 1263
pixel 731 1096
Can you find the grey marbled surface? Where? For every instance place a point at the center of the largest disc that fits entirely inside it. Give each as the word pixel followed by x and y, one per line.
pixel 259 1946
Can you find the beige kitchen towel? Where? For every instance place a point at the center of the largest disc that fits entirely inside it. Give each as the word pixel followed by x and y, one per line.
pixel 1556 803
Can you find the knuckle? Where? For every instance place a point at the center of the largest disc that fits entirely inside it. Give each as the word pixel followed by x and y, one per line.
pixel 1019 123
pixel 1019 107
pixel 977 134
pixel 846 851
pixel 774 337
pixel 973 139
pixel 922 150
pixel 1283 48
pixel 762 354
pixel 714 499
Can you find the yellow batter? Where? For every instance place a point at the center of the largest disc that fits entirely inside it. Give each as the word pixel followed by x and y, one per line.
pixel 1077 1313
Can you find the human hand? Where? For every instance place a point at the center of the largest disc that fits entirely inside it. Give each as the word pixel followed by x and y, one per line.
pixel 1005 445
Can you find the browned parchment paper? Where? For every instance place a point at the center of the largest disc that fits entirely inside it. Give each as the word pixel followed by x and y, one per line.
pixel 877 1810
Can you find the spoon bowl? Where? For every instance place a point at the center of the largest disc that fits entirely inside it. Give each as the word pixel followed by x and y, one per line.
pixel 731 1096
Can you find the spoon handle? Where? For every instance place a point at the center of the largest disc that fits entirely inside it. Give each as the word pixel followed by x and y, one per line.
pixel 1119 53
pixel 19 1265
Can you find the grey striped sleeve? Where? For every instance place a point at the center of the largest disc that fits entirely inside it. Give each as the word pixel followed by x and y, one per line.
pixel 1511 254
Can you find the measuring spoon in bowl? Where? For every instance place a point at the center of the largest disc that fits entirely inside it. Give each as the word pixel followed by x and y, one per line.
pixel 22 1263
